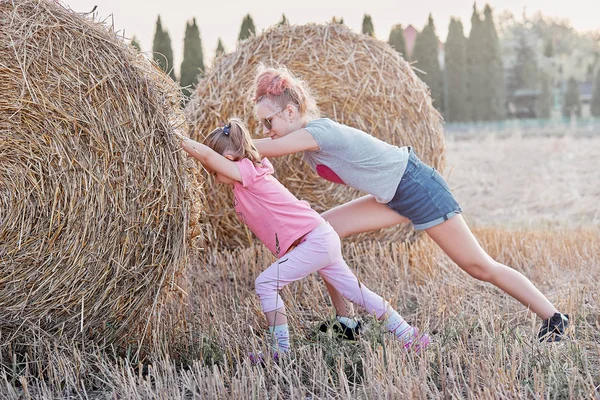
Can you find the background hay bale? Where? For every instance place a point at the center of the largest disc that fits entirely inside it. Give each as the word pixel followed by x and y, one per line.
pixel 357 80
pixel 96 200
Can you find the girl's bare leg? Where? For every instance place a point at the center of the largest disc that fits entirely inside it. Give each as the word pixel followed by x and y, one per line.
pixel 456 239
pixel 453 236
pixel 277 317
pixel 364 214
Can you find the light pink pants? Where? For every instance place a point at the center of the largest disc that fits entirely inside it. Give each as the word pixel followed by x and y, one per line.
pixel 319 251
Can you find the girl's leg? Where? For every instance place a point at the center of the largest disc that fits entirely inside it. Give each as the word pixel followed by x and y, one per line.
pixel 340 277
pixel 277 317
pixel 309 256
pixel 364 214
pixel 455 238
pixel 343 308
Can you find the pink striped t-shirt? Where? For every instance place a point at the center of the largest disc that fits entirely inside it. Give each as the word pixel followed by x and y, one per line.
pixel 269 209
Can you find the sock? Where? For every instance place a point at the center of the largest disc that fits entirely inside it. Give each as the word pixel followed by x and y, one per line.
pixel 349 322
pixel 399 327
pixel 564 317
pixel 281 335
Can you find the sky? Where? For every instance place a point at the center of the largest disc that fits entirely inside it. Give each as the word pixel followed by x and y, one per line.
pixel 223 18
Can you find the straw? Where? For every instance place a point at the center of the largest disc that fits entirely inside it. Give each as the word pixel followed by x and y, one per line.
pixel 99 207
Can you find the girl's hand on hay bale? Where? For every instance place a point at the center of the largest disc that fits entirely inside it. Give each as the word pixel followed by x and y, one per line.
pixel 212 161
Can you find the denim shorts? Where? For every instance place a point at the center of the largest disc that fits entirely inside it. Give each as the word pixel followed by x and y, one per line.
pixel 423 196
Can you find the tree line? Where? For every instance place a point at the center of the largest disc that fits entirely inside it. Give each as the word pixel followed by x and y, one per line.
pixel 468 76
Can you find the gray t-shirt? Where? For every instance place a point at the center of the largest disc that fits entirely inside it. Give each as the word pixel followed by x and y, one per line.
pixel 355 158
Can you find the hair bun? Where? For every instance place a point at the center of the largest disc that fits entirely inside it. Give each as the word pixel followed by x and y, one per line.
pixel 278 85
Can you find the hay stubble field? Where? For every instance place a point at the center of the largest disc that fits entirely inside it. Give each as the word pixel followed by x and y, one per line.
pixel 526 181
pixel 104 293
pixel 526 211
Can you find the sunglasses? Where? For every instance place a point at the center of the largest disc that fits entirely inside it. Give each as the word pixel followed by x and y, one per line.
pixel 267 121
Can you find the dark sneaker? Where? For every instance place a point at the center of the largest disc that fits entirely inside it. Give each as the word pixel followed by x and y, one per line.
pixel 553 329
pixel 341 330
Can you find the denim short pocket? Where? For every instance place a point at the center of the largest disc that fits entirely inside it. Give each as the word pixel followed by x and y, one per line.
pixel 440 180
pixel 424 197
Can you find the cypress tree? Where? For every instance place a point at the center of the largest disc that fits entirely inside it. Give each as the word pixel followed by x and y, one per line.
pixel 397 41
pixel 456 72
pixel 157 44
pixel 193 58
pixel 595 104
pixel 248 29
pixel 367 26
pixel 494 92
pixel 135 43
pixel 525 72
pixel 425 53
pixel 544 103
pixel 475 69
pixel 162 51
pixel 572 102
pixel 220 48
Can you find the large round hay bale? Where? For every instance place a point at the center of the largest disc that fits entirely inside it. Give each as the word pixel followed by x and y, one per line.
pixel 357 80
pixel 95 196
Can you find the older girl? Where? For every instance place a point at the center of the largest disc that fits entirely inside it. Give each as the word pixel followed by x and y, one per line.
pixel 400 187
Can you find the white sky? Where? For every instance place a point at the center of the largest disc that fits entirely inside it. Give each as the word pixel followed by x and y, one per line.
pixel 223 18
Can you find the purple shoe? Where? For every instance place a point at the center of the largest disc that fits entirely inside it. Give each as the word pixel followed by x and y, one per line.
pixel 259 358
pixel 256 358
pixel 417 342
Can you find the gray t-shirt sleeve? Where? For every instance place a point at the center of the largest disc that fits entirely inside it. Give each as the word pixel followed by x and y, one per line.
pixel 321 131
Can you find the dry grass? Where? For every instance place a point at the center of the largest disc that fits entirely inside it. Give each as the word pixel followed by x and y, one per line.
pixel 93 230
pixel 484 342
pixel 526 181
pixel 356 79
pixel 96 201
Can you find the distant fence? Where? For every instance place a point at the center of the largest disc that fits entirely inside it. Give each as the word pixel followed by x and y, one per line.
pixel 526 127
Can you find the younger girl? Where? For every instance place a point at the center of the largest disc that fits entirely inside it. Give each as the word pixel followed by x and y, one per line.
pixel 298 236
pixel 400 188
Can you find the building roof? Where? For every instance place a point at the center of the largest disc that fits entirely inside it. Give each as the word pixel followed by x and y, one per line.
pixel 410 35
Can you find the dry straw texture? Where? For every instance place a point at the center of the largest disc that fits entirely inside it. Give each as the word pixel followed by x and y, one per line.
pixel 357 80
pixel 95 198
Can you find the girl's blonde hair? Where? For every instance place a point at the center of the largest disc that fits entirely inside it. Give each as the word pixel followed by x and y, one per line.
pixel 280 87
pixel 233 138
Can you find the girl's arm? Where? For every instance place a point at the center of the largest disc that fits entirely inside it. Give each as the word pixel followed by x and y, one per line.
pixel 293 142
pixel 212 161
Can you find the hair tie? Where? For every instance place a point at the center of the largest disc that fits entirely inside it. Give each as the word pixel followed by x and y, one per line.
pixel 226 128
